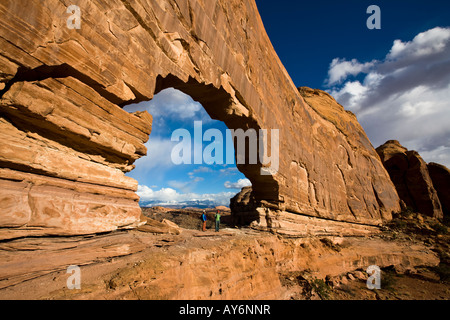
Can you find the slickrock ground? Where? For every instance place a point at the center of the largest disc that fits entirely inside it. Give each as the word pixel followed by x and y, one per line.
pixel 236 264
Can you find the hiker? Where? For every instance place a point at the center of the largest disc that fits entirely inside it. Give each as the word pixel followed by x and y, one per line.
pixel 217 220
pixel 204 218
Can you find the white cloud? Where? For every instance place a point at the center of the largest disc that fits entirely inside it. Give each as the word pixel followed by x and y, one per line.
pixel 340 69
pixel 169 196
pixel 350 94
pixel 164 195
pixel 158 155
pixel 241 183
pixel 439 155
pixel 173 104
pixel 153 168
pixel 433 41
pixel 406 96
pixel 185 186
pixel 229 171
pixel 200 170
pixel 181 185
pixel 195 179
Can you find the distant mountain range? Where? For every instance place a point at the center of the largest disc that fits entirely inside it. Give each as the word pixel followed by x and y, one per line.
pixel 201 204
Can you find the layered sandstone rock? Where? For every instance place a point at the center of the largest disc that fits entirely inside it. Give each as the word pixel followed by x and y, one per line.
pixel 267 217
pixel 440 175
pixel 64 149
pixel 66 142
pixel 409 173
pixel 359 186
pixel 239 267
pixel 243 207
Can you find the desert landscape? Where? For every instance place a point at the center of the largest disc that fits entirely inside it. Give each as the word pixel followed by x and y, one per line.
pixel 327 208
pixel 170 258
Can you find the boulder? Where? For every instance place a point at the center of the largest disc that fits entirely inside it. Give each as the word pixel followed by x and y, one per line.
pixel 410 175
pixel 243 207
pixel 440 175
pixel 152 226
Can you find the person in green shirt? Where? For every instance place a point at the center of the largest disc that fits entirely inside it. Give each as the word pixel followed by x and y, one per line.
pixel 217 220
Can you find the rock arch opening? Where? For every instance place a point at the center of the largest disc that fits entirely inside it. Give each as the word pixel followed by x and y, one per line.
pixel 234 112
pixel 209 118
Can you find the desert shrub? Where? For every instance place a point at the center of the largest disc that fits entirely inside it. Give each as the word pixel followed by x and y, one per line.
pixel 321 288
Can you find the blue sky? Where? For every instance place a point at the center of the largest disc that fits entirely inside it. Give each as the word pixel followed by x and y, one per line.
pixel 160 178
pixel 396 80
pixel 308 35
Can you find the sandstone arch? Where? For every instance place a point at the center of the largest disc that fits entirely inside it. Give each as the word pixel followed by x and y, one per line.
pixel 220 105
pixel 66 143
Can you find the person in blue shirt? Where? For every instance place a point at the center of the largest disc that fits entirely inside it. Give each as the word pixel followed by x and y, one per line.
pixel 204 218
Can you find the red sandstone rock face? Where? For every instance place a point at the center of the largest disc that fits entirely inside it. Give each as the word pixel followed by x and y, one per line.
pixel 409 172
pixel 359 186
pixel 66 143
pixel 440 175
